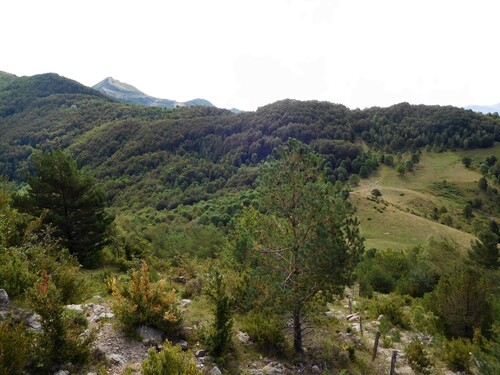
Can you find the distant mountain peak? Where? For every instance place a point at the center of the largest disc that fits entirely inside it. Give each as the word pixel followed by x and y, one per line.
pixel 130 94
pixel 485 108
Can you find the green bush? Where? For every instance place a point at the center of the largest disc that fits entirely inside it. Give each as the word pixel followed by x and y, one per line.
pixel 21 266
pixel 193 287
pixel 142 302
pixel 265 329
pixel 170 361
pixel 61 340
pixel 392 307
pixel 417 357
pixel 15 347
pixel 217 337
pixel 457 354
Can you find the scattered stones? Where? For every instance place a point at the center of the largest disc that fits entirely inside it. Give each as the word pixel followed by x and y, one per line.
pixel 183 344
pixel 105 315
pixel 352 317
pixel 33 322
pixel 61 372
pixel 215 371
pixel 200 353
pixel 77 308
pixel 4 298
pixel 150 336
pixel 271 370
pixel 315 370
pixel 116 359
pixel 179 279
pixel 243 337
pixel 185 302
pixel 329 314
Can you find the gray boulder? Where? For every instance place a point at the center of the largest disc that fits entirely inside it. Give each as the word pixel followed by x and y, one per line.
pixel 116 359
pixel 4 298
pixel 200 353
pixel 33 322
pixel 270 370
pixel 150 336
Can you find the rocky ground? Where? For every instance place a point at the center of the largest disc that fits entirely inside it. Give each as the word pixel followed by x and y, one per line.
pixel 124 355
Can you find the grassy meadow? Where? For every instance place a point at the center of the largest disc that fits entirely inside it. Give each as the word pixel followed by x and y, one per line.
pixel 402 216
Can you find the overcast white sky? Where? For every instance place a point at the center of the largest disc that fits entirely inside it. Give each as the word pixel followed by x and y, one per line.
pixel 246 54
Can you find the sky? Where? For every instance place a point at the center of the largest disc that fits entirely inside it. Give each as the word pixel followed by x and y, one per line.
pixel 246 54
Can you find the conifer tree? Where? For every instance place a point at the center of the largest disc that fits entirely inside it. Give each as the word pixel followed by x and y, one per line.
pixel 306 240
pixel 71 202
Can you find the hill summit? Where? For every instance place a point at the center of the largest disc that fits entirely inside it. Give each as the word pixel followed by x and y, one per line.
pixel 129 94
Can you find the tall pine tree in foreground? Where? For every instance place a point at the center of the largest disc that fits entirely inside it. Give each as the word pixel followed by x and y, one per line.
pixel 70 201
pixel 306 241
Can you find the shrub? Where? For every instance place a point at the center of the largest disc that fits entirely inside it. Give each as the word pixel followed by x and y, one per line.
pixel 218 336
pixel 265 329
pixel 193 287
pixel 392 307
pixel 60 341
pixel 142 302
pixel 21 266
pixel 15 347
pixel 417 357
pixel 170 361
pixel 457 355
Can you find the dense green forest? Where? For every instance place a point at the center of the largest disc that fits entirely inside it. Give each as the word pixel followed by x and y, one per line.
pixel 166 157
pixel 252 218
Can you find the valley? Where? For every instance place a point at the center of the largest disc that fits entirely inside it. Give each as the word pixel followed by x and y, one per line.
pixel 244 243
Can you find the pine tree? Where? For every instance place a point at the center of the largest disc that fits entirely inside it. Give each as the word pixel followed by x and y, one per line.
pixel 485 252
pixel 70 201
pixel 307 240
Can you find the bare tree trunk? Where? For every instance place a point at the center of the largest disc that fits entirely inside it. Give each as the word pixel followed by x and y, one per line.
pixel 297 330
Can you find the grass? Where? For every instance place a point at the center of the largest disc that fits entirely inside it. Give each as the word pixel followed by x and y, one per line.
pixel 402 217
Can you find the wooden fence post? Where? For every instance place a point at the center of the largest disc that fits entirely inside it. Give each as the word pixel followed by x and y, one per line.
pixel 393 362
pixel 375 345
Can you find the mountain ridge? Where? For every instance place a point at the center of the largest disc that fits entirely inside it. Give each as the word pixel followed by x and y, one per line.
pixel 127 93
pixel 485 109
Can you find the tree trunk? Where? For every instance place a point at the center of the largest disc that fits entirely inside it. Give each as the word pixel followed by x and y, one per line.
pixel 297 330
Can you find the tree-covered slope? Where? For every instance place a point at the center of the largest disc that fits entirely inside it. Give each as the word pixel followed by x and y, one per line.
pixel 166 157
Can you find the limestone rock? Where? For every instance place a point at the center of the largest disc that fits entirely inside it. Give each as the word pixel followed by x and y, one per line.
pixel 149 335
pixel 271 370
pixel 116 359
pixel 77 308
pixel 200 353
pixel 183 344
pixel 33 322
pixel 4 298
pixel 243 337
pixel 215 371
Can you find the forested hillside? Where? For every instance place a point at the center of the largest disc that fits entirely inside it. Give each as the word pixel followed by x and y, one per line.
pixel 183 155
pixel 286 240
